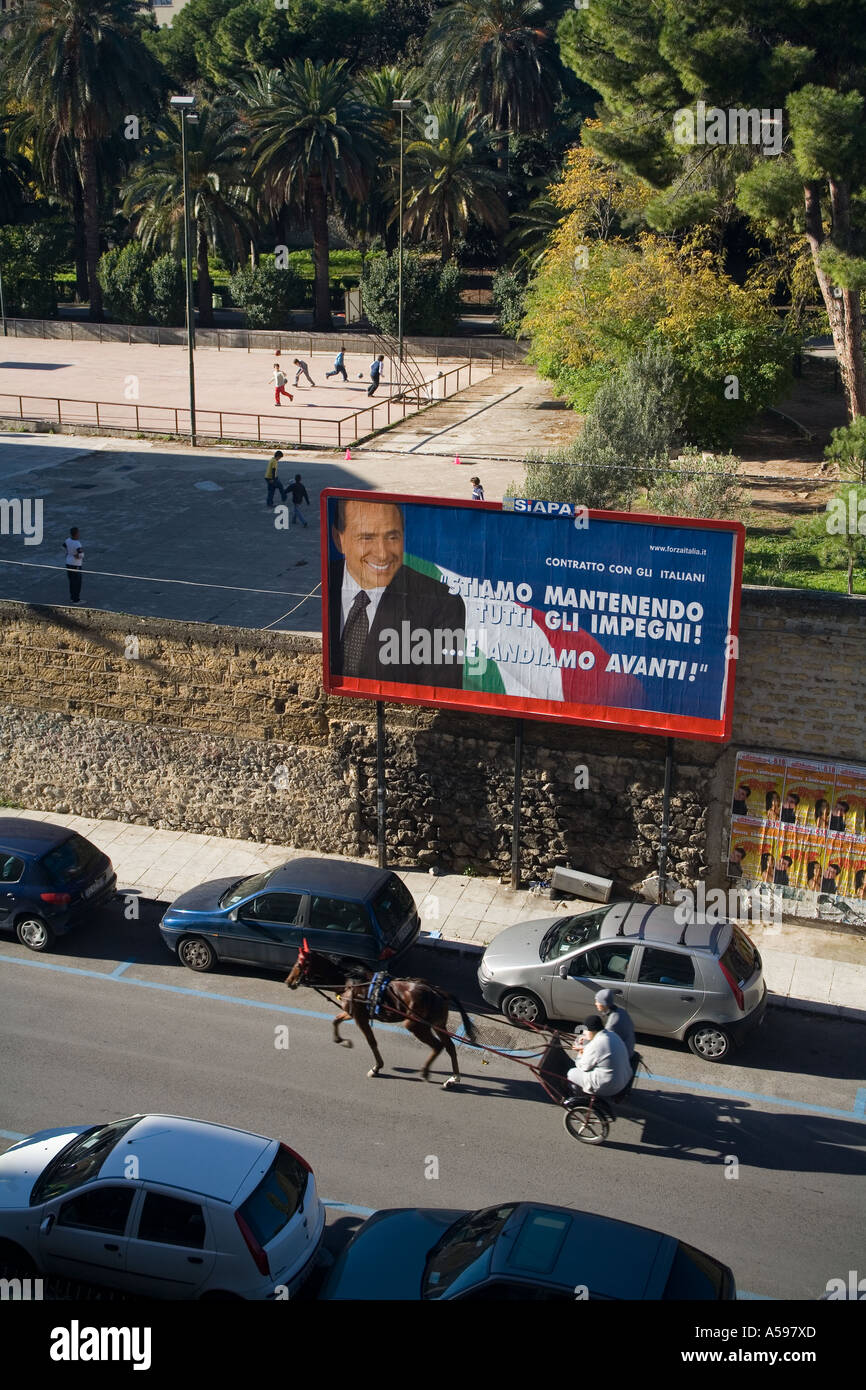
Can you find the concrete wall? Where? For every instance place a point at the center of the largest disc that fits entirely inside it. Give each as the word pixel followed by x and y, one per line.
pixel 226 731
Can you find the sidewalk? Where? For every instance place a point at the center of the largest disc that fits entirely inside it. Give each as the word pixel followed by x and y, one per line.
pixel 805 967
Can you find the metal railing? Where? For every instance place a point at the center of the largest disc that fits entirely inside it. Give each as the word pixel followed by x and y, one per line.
pixel 495 350
pixel 324 431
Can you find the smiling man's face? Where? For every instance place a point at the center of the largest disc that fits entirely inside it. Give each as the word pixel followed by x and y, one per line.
pixel 372 542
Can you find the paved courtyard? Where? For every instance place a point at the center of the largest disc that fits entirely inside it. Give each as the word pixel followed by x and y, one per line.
pixel 139 386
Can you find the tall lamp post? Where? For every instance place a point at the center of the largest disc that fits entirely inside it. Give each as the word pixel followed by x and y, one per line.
pixel 185 105
pixel 2 305
pixel 401 106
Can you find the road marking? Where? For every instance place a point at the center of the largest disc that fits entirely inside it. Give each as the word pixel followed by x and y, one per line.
pixel 346 1206
pixel 178 989
pixel 857 1111
pixel 118 971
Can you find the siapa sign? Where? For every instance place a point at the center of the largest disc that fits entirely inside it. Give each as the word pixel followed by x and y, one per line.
pixel 533 609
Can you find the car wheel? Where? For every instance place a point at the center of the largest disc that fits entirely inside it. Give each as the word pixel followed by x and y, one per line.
pixel 196 953
pixel 35 934
pixel 710 1041
pixel 15 1262
pixel 521 1007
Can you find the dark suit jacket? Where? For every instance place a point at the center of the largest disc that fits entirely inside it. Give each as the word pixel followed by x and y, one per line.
pixel 411 597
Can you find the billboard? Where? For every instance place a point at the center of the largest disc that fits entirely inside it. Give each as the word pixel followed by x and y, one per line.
pixel 801 826
pixel 533 609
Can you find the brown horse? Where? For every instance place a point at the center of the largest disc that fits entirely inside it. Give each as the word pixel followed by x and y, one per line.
pixel 422 1007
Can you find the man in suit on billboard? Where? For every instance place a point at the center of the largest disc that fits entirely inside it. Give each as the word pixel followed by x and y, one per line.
pixel 388 622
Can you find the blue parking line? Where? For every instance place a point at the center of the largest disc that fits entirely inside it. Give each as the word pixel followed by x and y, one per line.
pixel 10 1134
pixel 769 1100
pixel 857 1111
pixel 347 1206
pixel 177 989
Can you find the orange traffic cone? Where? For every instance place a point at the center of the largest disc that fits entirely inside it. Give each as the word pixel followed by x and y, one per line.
pixel 348 456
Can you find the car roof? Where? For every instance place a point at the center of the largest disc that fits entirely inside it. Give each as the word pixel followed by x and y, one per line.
pixel 558 1245
pixel 658 925
pixel 22 835
pixel 193 1155
pixel 335 876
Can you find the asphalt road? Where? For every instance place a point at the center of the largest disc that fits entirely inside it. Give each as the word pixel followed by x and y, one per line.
pixel 85 1037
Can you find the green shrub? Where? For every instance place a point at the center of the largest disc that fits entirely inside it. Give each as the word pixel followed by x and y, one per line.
pixel 167 292
pixel 30 256
pixel 139 289
pixel 431 294
pixel 266 294
pixel 509 299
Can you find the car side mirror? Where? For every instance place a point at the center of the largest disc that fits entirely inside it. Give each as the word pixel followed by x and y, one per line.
pixel 45 1226
pixel 233 915
pixel 563 972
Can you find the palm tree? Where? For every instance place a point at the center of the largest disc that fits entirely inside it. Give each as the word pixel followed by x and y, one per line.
pixel 502 51
pixel 450 177
pixel 220 216
pixel 79 67
pixel 313 135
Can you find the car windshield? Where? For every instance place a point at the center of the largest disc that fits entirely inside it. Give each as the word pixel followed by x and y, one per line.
pixel 246 888
pixel 464 1243
pixel 80 1161
pixel 565 936
pixel 72 860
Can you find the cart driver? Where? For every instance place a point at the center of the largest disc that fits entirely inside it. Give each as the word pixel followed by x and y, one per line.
pixel 602 1067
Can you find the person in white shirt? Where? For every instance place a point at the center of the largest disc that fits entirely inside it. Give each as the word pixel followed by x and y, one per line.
pixel 603 1067
pixel 74 563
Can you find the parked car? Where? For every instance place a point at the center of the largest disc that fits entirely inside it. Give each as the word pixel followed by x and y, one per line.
pixel 50 878
pixel 701 981
pixel 351 911
pixel 521 1250
pixel 161 1206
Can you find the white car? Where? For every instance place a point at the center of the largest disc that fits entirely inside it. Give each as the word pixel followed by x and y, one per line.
pixel 161 1206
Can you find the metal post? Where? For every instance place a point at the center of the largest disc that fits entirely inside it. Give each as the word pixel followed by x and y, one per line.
pixel 3 307
pixel 380 782
pixel 515 815
pixel 190 312
pixel 400 266
pixel 666 809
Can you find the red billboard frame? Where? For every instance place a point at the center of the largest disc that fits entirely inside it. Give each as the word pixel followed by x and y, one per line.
pixel 521 707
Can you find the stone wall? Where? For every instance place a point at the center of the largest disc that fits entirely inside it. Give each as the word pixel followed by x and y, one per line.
pixel 227 731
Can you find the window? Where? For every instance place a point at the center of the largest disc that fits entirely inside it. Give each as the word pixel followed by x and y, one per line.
pixel 245 888
pixel 694 1275
pixel 565 936
pixel 274 907
pixel 609 962
pixel 464 1244
pixel 392 905
pixel 72 860
pixel 741 958
pixel 276 1199
pixel 80 1161
pixel 11 868
pixel 539 1241
pixel 333 914
pixel 171 1221
pixel 105 1209
pixel 666 968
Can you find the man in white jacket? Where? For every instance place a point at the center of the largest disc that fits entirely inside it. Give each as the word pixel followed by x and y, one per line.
pixel 603 1067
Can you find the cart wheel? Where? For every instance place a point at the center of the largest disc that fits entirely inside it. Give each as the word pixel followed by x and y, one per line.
pixel 589 1126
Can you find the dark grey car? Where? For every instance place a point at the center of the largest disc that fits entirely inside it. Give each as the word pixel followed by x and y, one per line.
pixel 700 981
pixel 350 911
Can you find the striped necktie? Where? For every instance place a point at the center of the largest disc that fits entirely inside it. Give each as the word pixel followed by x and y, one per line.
pixel 355 634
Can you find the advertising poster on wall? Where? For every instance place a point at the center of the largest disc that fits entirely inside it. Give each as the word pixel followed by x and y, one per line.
pixel 807 843
pixel 538 609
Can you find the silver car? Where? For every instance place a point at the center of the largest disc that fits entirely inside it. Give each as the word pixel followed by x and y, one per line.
pixel 700 981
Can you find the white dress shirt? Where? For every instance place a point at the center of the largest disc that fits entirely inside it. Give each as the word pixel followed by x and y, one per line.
pixel 351 588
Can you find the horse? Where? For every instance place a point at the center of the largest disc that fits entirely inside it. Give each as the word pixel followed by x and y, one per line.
pixel 421 1006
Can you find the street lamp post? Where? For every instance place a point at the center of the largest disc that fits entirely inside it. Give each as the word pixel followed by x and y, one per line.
pixel 2 305
pixel 185 106
pixel 402 107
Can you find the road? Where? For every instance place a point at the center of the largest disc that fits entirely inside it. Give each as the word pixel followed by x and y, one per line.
pixel 86 1036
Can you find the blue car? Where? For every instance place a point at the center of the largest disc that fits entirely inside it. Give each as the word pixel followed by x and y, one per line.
pixel 349 911
pixel 519 1251
pixel 50 878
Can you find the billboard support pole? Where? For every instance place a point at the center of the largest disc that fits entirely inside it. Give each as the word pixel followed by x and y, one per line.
pixel 515 815
pixel 380 782
pixel 666 810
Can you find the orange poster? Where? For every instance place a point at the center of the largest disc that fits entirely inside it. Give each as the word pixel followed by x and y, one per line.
pixel 758 787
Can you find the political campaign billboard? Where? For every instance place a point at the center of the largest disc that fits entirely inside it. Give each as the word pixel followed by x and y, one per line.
pixel 534 609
